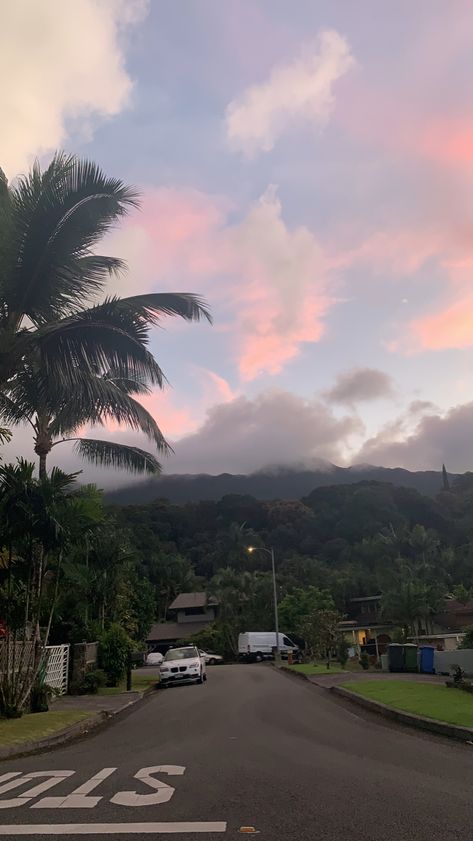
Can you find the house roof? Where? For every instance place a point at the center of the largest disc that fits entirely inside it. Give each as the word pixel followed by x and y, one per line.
pixel 367 598
pixel 186 600
pixel 171 631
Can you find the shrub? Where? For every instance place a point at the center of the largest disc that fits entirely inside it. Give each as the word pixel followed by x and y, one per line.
pixel 90 683
pixel 114 649
pixel 364 661
pixel 342 652
pixel 467 641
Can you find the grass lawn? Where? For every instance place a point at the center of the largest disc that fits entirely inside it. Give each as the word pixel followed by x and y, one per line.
pixel 38 726
pixel 138 683
pixel 317 669
pixel 432 701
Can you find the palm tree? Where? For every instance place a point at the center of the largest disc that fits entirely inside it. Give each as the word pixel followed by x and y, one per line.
pixel 92 354
pixel 56 415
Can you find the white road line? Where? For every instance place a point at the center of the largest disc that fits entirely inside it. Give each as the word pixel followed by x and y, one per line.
pixel 52 779
pixel 114 828
pixel 77 799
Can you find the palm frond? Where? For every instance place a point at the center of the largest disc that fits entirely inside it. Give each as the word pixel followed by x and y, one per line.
pixel 151 307
pixel 96 401
pixel 59 215
pixel 14 411
pixel 108 454
pixel 82 342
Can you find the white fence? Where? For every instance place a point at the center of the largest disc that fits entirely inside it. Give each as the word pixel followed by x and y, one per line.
pixel 57 667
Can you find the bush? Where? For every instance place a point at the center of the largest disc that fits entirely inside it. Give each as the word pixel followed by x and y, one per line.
pixel 91 683
pixel 467 641
pixel 342 652
pixel 114 649
pixel 364 661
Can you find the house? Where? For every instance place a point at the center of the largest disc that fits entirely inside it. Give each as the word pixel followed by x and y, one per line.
pixel 365 626
pixel 189 614
pixel 449 625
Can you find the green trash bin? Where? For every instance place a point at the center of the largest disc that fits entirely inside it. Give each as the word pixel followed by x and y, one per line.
pixel 410 657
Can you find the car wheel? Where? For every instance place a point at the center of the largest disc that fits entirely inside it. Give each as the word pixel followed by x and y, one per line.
pixel 258 657
pixel 200 679
pixel 211 662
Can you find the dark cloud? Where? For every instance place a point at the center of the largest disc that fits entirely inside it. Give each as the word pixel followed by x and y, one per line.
pixel 242 436
pixel 422 407
pixel 436 440
pixel 360 384
pixel 275 428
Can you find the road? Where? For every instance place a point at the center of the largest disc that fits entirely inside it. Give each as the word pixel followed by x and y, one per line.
pixel 260 749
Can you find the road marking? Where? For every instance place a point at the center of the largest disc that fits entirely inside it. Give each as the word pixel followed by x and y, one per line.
pixel 77 799
pixel 52 779
pixel 115 828
pixel 163 791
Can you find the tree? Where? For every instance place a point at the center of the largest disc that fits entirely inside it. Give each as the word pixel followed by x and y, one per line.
pixel 296 606
pixel 244 600
pixel 37 523
pixel 445 480
pixel 320 631
pixel 64 358
pixel 461 593
pixel 410 603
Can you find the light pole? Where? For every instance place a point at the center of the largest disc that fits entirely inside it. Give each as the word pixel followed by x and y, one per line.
pixel 270 552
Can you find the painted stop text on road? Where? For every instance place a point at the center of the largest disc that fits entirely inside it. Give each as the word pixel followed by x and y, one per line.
pixel 28 790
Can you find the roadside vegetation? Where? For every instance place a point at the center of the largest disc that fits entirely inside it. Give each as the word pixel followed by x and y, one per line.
pixel 32 728
pixel 425 699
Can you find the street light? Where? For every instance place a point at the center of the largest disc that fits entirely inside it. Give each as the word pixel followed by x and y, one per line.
pixel 270 552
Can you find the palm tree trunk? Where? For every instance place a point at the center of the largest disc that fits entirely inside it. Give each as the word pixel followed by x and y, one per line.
pixel 42 466
pixel 43 442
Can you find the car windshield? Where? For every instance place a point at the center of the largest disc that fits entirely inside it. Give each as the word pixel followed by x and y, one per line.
pixel 181 654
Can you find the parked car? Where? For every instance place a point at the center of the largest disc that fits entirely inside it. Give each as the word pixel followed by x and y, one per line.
pixel 256 646
pixel 211 659
pixel 182 665
pixel 154 658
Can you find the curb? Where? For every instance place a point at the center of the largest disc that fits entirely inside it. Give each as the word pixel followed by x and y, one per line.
pixel 289 671
pixel 453 731
pixel 73 732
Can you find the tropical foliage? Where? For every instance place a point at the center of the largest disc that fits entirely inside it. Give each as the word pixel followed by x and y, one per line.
pixel 69 359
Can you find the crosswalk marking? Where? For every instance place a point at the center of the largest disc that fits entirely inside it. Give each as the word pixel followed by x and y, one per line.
pixel 97 829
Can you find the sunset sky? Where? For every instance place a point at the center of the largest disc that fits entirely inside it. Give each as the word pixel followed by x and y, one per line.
pixel 308 168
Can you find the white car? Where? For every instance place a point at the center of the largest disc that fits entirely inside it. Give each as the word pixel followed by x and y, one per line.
pixel 154 658
pixel 211 659
pixel 182 665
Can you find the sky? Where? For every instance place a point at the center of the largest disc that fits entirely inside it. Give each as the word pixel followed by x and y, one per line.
pixel 307 169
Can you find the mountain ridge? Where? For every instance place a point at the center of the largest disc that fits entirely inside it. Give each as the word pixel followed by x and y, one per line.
pixel 274 483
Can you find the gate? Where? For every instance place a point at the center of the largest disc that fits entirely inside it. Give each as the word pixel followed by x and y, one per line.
pixel 57 667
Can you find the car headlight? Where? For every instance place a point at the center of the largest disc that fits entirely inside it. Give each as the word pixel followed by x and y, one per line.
pixel 164 669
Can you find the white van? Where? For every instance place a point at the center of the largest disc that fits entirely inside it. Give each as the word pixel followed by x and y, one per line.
pixel 257 645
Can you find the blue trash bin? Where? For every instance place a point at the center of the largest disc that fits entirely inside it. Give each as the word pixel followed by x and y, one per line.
pixel 426 659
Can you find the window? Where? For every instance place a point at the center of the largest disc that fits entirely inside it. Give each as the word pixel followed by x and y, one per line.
pixel 288 642
pixel 194 611
pixel 181 654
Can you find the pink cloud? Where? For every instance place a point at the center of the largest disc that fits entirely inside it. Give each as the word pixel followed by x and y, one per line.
pixel 450 328
pixel 270 281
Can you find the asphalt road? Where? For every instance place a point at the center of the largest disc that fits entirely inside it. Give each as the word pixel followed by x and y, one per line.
pixel 259 749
